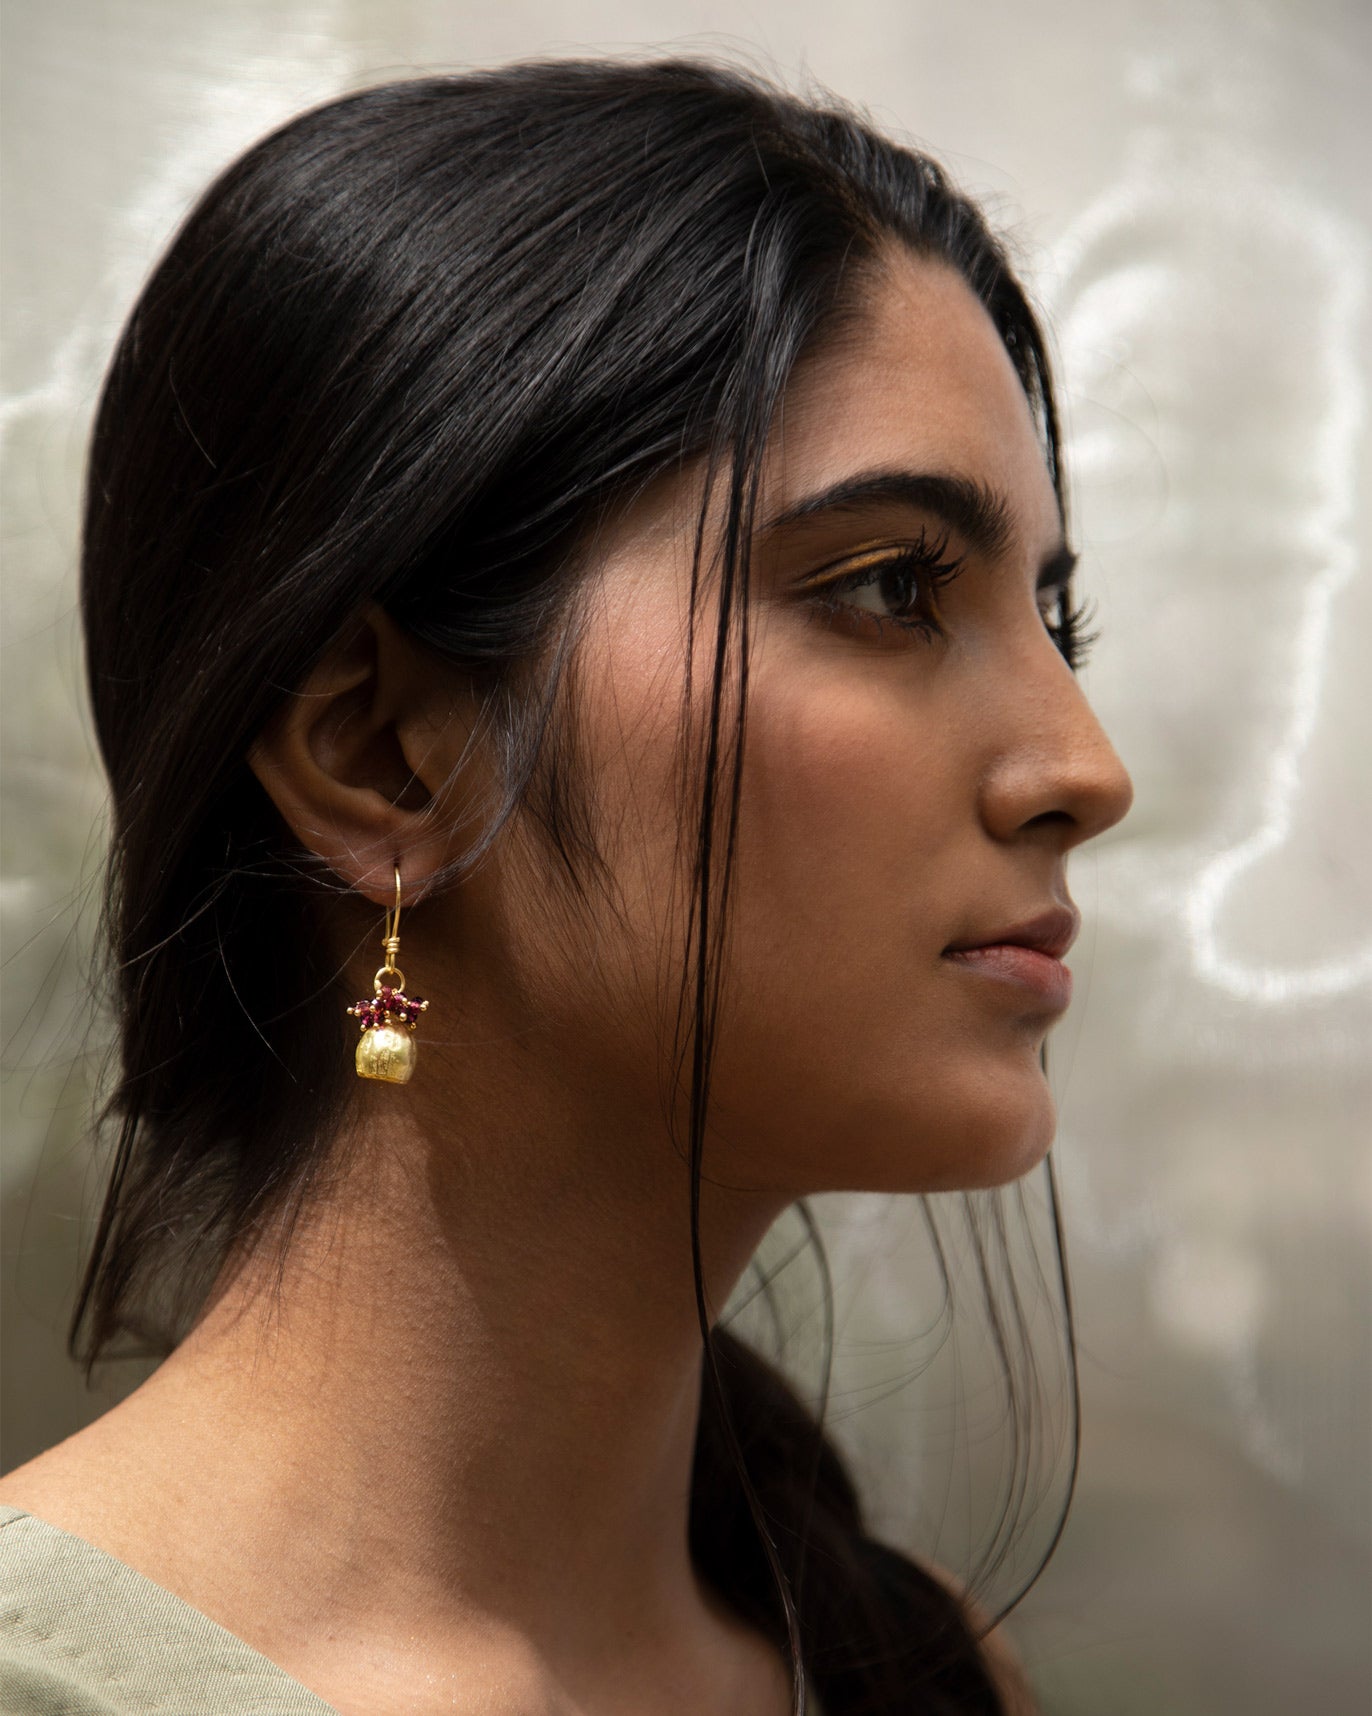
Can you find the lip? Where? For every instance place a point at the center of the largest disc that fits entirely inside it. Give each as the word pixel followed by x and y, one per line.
pixel 1028 954
pixel 1051 932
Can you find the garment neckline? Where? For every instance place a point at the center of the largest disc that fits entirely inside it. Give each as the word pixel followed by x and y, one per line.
pixel 249 1656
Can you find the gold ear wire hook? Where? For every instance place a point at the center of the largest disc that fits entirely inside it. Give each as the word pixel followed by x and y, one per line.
pixel 391 940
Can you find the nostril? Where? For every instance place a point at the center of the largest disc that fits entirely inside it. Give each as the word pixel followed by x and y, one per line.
pixel 1051 819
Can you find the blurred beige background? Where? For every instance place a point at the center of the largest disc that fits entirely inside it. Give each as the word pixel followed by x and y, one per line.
pixel 1185 185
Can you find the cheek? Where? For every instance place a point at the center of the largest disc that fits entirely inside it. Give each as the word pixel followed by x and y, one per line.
pixel 850 797
pixel 851 1056
pixel 608 959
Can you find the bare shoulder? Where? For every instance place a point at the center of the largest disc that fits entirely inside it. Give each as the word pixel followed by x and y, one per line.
pixel 1003 1660
pixel 29 1486
pixel 77 1485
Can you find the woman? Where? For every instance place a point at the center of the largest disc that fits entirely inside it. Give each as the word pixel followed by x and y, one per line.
pixel 593 530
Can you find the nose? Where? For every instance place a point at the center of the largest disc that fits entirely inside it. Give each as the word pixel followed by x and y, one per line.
pixel 1055 770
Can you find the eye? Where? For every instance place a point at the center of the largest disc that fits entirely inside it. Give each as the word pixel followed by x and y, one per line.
pixel 895 584
pixel 1065 622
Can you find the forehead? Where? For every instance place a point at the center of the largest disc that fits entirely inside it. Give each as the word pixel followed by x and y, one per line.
pixel 919 380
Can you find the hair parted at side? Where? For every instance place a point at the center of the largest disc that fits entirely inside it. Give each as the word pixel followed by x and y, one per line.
pixel 409 349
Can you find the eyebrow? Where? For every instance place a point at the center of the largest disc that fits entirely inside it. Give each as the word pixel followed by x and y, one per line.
pixel 980 513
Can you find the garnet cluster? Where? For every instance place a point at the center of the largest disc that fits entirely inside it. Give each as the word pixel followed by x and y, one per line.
pixel 389 1007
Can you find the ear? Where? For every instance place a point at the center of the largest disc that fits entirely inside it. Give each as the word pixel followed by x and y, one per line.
pixel 363 760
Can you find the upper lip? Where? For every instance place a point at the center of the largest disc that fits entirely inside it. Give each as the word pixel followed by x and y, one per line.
pixel 1051 932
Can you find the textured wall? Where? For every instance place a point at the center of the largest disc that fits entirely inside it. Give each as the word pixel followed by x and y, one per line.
pixel 1186 188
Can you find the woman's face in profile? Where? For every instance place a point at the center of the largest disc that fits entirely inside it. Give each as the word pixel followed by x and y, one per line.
pixel 919 761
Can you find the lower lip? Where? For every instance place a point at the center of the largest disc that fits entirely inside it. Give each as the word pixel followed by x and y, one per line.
pixel 1049 978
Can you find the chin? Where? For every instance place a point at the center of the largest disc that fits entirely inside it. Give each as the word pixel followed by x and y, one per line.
pixel 1002 1161
pixel 997 1136
pixel 1003 1139
pixel 818 1125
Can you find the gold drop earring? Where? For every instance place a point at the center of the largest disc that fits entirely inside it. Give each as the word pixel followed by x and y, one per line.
pixel 387 1049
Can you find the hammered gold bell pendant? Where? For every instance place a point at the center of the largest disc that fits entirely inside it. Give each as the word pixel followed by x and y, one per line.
pixel 386 1049
pixel 386 1053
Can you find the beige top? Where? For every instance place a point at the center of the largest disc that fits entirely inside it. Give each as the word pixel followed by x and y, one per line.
pixel 82 1634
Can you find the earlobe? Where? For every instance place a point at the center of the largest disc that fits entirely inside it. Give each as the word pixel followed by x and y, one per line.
pixel 352 759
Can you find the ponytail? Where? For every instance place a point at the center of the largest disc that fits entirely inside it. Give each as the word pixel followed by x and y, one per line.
pixel 880 1635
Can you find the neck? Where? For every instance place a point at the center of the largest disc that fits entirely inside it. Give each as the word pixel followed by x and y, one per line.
pixel 477 1381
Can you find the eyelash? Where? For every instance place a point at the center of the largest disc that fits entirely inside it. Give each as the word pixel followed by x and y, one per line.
pixel 926 569
pixel 1074 644
pixel 923 567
